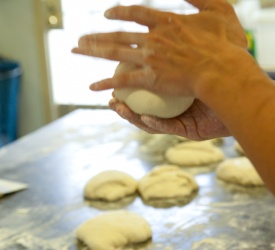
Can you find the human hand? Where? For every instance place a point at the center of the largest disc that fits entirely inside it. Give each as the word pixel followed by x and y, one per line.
pixel 198 123
pixel 179 53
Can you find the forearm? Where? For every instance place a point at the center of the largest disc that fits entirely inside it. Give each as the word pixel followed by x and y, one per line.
pixel 245 101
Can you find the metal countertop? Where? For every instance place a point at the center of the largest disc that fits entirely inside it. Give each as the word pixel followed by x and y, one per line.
pixel 58 160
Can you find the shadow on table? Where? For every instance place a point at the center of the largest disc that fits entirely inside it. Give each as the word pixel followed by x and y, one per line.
pixel 111 205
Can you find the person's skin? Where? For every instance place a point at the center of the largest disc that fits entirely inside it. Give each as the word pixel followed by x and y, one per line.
pixel 202 56
pixel 199 122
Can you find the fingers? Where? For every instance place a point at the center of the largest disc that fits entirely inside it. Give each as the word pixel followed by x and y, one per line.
pixel 166 126
pixel 113 37
pixel 113 102
pixel 144 78
pixel 211 5
pixel 138 14
pixel 115 52
pixel 124 112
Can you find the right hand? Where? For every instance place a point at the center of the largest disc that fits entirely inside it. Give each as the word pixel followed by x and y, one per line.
pixel 180 55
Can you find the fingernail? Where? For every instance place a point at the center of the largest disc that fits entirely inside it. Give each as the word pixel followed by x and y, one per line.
pixel 109 14
pixel 94 86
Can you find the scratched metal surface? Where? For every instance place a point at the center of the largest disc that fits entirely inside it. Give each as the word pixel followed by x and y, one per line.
pixel 57 161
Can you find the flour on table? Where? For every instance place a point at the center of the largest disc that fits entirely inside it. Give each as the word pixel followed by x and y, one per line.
pixel 240 171
pixel 167 181
pixel 194 153
pixel 114 230
pixel 110 185
pixel 143 101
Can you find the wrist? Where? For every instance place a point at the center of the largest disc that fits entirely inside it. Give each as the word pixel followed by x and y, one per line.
pixel 234 73
pixel 237 90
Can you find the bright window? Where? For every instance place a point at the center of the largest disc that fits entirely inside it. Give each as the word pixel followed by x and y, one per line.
pixel 72 74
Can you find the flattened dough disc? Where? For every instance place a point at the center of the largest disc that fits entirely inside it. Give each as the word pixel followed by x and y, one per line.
pixel 167 181
pixel 240 171
pixel 114 230
pixel 194 154
pixel 110 185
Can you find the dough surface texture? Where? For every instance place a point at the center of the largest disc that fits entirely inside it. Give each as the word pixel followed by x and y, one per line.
pixel 110 185
pixel 240 171
pixel 114 230
pixel 194 154
pixel 143 101
pixel 167 181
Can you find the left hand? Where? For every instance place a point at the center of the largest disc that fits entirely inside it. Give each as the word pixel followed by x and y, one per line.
pixel 197 123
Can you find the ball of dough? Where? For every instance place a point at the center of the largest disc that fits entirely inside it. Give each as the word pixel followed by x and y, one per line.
pixel 110 185
pixel 239 148
pixel 114 230
pixel 240 171
pixel 143 101
pixel 167 181
pixel 194 154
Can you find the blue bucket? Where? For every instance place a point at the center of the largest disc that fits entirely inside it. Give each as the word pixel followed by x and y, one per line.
pixel 10 73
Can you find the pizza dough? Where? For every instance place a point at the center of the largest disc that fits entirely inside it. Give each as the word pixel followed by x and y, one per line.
pixel 143 101
pixel 114 230
pixel 167 181
pixel 110 185
pixel 240 171
pixel 239 148
pixel 194 154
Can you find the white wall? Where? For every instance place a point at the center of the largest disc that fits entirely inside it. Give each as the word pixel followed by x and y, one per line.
pixel 18 42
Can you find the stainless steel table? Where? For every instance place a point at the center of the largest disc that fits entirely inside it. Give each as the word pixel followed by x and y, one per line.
pixel 58 159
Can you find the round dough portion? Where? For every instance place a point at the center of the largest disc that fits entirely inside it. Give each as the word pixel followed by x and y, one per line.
pixel 110 185
pixel 167 181
pixel 114 230
pixel 240 171
pixel 143 101
pixel 194 154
